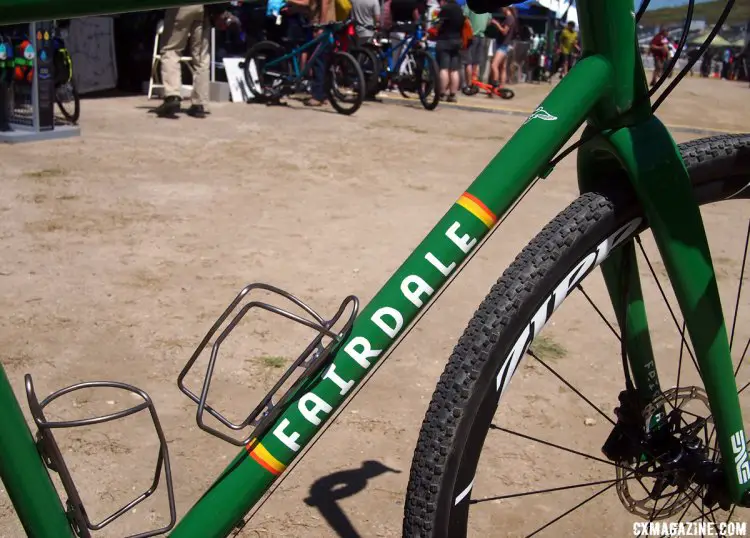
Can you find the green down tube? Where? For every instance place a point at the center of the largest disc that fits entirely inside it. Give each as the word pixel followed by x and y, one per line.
pixel 523 158
pixel 24 475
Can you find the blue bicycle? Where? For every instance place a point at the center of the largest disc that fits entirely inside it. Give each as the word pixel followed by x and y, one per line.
pixel 272 72
pixel 408 64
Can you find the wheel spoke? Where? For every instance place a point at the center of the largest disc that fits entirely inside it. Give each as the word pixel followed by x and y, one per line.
pixel 571 387
pixel 666 301
pixel 553 445
pixel 576 507
pixel 679 364
pixel 739 290
pixel 742 357
pixel 731 513
pixel 598 311
pixel 547 490
pixel 703 513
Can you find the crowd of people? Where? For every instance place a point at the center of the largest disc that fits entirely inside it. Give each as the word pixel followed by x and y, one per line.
pixel 734 60
pixel 462 39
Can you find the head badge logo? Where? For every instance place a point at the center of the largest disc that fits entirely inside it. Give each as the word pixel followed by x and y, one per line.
pixel 540 114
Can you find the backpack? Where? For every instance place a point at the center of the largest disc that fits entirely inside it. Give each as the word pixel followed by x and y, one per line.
pixel 343 8
pixel 467 33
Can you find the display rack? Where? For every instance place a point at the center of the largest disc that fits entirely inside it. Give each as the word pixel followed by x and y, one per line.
pixel 27 106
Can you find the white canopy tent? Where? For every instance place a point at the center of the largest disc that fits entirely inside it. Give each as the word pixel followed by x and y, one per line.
pixel 560 7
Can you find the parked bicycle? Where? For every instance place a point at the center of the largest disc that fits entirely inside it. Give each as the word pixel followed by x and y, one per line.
pixel 66 92
pixel 670 441
pixel 407 64
pixel 272 72
pixel 490 89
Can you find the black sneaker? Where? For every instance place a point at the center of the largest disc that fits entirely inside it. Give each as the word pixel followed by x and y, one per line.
pixel 169 108
pixel 196 111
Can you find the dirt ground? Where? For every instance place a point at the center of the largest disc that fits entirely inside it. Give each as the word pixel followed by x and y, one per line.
pixel 120 248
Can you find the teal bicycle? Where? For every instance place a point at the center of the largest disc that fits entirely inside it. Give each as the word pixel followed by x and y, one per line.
pixel 271 71
pixel 672 450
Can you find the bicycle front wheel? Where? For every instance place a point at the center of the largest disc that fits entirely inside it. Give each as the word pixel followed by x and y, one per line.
pixel 67 100
pixel 427 79
pixel 345 83
pixel 535 466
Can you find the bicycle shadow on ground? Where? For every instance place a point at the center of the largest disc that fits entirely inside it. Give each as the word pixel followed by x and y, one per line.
pixel 328 490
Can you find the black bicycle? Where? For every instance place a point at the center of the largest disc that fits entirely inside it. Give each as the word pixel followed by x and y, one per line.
pixel 66 93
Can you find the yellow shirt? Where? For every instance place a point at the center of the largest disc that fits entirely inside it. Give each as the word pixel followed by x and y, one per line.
pixel 568 38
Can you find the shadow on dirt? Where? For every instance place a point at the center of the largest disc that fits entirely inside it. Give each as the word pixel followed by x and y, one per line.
pixel 328 490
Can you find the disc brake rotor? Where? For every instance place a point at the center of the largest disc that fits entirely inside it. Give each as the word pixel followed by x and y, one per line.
pixel 657 487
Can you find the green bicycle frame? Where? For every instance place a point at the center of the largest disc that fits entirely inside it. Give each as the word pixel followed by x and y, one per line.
pixel 607 89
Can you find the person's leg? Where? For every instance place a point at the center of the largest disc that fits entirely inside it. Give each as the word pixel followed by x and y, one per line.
pixel 497 60
pixel 199 51
pixel 443 58
pixel 455 77
pixel 318 89
pixel 468 73
pixel 502 68
pixel 657 71
pixel 177 24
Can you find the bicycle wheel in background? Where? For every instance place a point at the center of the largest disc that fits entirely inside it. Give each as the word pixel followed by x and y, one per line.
pixel 266 82
pixel 66 97
pixel 345 83
pixel 406 77
pixel 427 79
pixel 551 438
pixel 370 66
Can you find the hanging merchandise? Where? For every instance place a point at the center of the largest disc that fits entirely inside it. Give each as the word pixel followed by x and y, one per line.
pixel 6 60
pixel 24 62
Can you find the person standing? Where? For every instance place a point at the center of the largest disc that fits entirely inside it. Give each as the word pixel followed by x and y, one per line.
pixel 322 12
pixel 366 16
pixel 726 62
pixel 660 53
pixel 474 55
pixel 568 46
pixel 188 25
pixel 183 26
pixel 448 47
pixel 499 67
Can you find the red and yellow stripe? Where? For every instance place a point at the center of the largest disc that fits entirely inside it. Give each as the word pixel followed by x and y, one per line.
pixel 264 458
pixel 475 206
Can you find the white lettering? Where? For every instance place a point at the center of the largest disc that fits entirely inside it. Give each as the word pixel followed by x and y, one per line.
pixel 574 277
pixel 365 351
pixel 331 374
pixel 395 315
pixel 414 294
pixel 542 315
pixel 465 243
pixel 288 440
pixel 437 264
pixel 311 413
pixel 513 359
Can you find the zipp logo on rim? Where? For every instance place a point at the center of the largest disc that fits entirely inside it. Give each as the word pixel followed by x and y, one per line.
pixel 548 307
pixel 739 447
pixel 540 318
